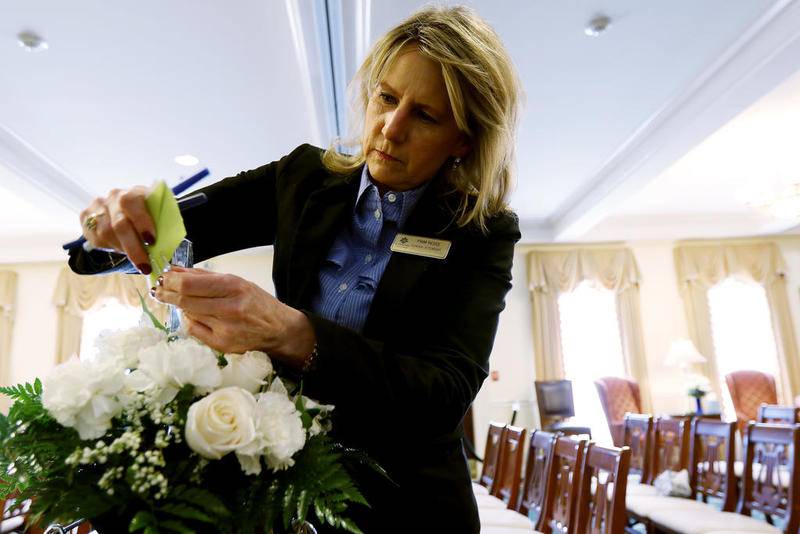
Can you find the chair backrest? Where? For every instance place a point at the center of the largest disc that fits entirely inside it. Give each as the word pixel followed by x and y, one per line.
pixel 507 477
pixel 670 445
pixel 638 435
pixel 618 396
pixel 534 489
pixel 776 413
pixel 565 472
pixel 491 454
pixel 554 399
pixel 604 482
pixel 711 472
pixel 772 484
pixel 749 390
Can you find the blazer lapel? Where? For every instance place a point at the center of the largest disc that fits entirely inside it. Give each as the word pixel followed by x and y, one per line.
pixel 429 218
pixel 323 216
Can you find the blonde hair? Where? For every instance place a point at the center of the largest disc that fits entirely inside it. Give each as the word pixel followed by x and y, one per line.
pixel 483 89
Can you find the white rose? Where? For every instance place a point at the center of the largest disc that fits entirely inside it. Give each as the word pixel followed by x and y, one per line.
pixel 124 345
pixel 279 429
pixel 221 422
pixel 247 370
pixel 84 396
pixel 166 367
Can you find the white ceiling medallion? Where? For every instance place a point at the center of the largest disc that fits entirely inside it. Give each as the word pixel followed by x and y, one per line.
pixel 31 41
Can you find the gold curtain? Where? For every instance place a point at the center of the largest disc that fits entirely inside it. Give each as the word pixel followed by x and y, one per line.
pixel 8 298
pixel 700 266
pixel 555 271
pixel 75 294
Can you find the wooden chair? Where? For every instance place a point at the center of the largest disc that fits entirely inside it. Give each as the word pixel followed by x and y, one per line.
pixel 601 503
pixel 491 454
pixel 671 438
pixel 534 489
pixel 710 477
pixel 565 472
pixel 509 466
pixel 638 436
pixel 770 486
pixel 776 413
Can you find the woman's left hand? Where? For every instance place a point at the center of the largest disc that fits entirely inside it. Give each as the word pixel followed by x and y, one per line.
pixel 233 315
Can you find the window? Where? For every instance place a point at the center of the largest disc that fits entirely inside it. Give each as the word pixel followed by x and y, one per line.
pixel 108 314
pixel 592 348
pixel 742 330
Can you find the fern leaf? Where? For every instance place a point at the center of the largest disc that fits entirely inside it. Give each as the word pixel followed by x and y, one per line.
pixel 186 512
pixel 202 499
pixel 176 526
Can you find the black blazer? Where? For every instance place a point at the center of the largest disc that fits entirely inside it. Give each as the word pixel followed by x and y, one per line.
pixel 401 387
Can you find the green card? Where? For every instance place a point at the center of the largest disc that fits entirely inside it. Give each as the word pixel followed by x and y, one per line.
pixel 163 208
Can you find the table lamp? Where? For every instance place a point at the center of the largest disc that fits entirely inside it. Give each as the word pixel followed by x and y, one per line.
pixel 683 354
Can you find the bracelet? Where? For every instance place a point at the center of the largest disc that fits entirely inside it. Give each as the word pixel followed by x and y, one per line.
pixel 310 362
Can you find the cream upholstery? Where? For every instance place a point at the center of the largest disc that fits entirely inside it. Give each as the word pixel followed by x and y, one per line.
pixel 643 490
pixel 508 530
pixel 644 505
pixel 706 519
pixel 477 489
pixel 503 518
pixel 490 502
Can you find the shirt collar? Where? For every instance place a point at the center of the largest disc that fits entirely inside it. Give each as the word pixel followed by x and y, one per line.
pixel 405 199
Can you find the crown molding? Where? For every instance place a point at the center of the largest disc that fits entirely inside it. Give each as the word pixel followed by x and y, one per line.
pixel 764 56
pixel 32 173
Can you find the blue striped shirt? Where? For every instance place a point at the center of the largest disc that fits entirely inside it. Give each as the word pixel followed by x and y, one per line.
pixel 359 255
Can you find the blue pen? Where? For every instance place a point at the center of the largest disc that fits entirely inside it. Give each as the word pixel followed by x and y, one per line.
pixel 193 200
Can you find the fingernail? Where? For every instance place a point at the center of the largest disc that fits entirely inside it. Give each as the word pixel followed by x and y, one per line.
pixel 148 238
pixel 153 292
pixel 160 281
pixel 144 268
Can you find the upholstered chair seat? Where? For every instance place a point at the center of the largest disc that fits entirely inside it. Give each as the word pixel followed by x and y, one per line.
pixel 700 521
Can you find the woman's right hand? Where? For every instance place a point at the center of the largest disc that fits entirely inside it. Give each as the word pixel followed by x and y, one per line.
pixel 121 222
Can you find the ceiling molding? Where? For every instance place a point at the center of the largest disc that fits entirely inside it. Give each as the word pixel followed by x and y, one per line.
pixel 35 174
pixel 764 56
pixel 689 226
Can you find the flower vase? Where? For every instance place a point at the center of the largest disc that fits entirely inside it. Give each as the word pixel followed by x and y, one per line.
pixel 183 257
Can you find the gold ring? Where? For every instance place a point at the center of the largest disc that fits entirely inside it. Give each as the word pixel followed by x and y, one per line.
pixel 91 222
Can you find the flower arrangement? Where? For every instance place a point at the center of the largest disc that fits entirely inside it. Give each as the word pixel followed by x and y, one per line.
pixel 161 434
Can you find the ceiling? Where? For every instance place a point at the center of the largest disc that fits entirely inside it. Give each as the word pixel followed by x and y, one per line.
pixel 650 131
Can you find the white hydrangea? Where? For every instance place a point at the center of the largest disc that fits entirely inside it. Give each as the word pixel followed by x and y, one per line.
pixel 124 345
pixel 84 395
pixel 247 371
pixel 279 432
pixel 166 367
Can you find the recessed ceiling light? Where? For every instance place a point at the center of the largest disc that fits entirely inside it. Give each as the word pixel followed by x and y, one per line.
pixel 187 160
pixel 597 26
pixel 31 41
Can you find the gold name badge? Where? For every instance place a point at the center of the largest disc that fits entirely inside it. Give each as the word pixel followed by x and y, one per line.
pixel 421 246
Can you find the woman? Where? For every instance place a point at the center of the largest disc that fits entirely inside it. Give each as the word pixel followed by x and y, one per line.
pixel 390 267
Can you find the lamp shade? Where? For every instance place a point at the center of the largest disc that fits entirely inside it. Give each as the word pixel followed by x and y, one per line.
pixel 683 353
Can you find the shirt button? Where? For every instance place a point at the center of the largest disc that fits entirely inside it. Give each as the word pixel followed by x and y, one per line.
pixel 391 197
pixel 377 214
pixel 368 258
pixel 342 287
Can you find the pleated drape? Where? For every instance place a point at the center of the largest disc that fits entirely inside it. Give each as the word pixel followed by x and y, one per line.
pixel 8 299
pixel 700 266
pixel 552 272
pixel 75 294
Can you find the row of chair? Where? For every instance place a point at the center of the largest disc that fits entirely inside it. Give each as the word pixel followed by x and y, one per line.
pixel 569 486
pixel 766 483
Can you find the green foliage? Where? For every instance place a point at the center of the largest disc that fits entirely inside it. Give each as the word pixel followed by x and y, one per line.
pixel 202 496
pixel 156 323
